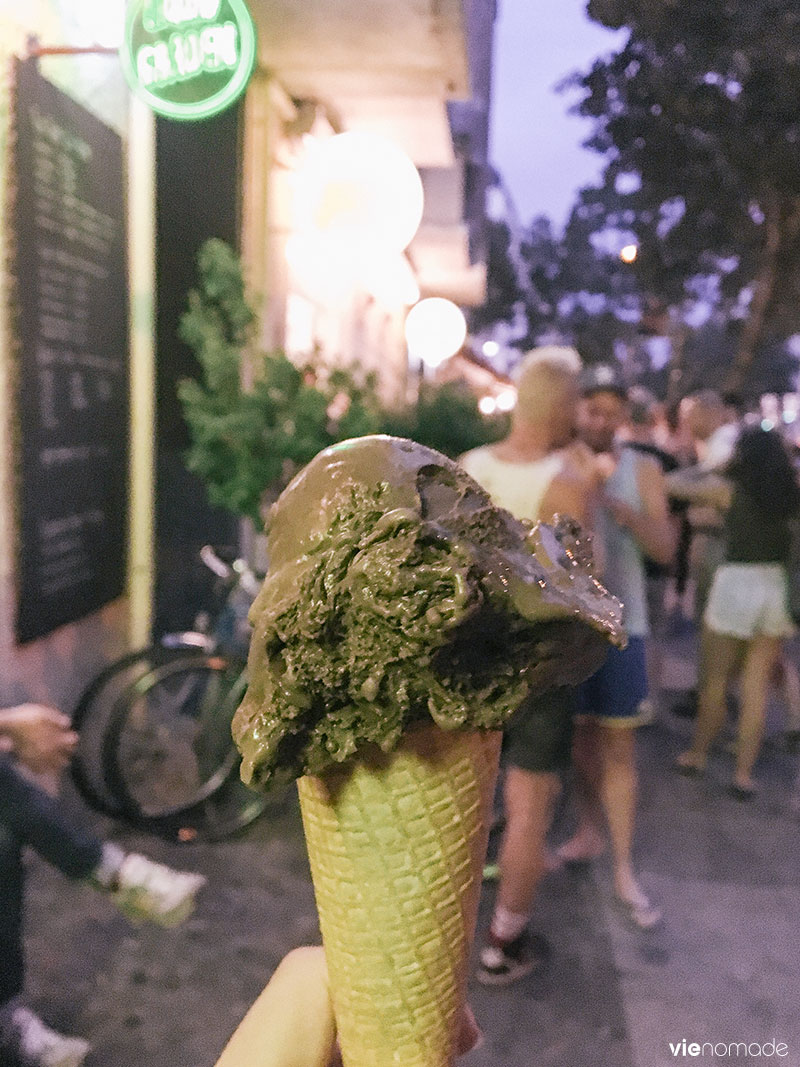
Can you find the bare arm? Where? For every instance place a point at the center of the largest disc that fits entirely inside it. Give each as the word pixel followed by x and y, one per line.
pixel 699 487
pixel 651 526
pixel 573 493
pixel 567 494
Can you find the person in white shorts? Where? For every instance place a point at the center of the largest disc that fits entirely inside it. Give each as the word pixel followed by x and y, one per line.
pixel 746 618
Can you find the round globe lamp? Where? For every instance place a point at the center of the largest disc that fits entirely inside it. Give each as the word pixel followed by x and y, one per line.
pixel 435 330
pixel 361 188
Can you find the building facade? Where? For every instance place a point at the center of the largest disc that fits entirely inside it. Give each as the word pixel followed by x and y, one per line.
pixel 415 74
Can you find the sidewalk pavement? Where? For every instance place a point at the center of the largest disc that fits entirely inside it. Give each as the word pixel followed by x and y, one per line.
pixel 723 968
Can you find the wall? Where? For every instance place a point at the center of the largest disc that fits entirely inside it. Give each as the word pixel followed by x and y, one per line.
pixel 56 667
pixel 309 308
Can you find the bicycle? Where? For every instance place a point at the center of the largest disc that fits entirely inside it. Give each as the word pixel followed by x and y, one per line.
pixel 155 746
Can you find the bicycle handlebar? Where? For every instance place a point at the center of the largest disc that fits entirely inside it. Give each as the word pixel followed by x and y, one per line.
pixel 245 577
pixel 214 563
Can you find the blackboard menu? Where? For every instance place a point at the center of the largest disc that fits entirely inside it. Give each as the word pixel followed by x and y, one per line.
pixel 70 296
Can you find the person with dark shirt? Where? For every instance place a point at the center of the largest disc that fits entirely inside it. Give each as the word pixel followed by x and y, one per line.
pixel 746 618
pixel 36 742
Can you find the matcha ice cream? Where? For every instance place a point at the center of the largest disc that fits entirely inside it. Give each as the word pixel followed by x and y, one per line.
pixel 403 619
pixel 399 594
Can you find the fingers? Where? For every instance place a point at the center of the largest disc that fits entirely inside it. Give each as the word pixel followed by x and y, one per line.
pixel 51 715
pixel 69 741
pixel 470 1035
pixel 291 1024
pixel 30 715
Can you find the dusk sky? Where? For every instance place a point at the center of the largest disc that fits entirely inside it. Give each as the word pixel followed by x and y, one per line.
pixel 535 143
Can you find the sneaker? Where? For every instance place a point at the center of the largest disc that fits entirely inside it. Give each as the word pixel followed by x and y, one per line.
pixel 503 962
pixel 31 1043
pixel 148 891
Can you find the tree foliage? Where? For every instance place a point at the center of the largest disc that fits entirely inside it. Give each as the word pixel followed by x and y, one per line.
pixel 445 417
pixel 503 290
pixel 700 105
pixel 248 441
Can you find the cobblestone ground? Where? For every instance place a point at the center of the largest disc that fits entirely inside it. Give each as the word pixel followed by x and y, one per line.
pixel 724 967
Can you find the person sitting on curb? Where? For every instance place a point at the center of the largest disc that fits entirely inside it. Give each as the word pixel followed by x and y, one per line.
pixel 36 740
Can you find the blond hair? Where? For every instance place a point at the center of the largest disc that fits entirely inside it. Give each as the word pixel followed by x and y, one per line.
pixel 544 379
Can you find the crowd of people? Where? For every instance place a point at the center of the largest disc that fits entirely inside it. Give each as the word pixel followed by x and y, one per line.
pixel 705 503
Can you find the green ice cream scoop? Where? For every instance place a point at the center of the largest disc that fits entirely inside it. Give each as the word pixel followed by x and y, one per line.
pixel 397 594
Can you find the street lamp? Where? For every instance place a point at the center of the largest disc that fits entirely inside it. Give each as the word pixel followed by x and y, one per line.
pixel 435 330
pixel 628 253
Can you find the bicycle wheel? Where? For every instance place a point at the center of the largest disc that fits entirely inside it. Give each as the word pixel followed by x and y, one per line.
pixel 91 717
pixel 167 746
pixel 230 809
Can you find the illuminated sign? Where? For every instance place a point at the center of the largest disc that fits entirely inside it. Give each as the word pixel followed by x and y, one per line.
pixel 188 59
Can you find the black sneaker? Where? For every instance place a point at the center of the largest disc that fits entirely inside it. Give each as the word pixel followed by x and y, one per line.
pixel 686 707
pixel 503 962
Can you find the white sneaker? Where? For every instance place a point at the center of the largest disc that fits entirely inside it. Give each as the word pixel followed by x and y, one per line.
pixel 146 890
pixel 35 1045
pixel 646 712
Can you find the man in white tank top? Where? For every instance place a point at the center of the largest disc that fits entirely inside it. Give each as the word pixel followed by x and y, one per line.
pixel 531 476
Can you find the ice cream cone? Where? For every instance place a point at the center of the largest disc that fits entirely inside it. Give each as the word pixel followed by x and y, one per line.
pixel 396 845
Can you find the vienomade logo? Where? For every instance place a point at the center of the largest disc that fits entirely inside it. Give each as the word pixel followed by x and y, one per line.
pixel 732 1049
pixel 188 59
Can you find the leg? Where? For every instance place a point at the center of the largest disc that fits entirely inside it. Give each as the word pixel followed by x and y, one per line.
pixel 537 747
pixel 618 792
pixel 762 654
pixel 529 798
pixel 511 951
pixel 789 681
pixel 718 657
pixel 34 818
pixel 11 889
pixel 588 841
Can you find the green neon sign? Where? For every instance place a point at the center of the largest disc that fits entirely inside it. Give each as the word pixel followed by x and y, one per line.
pixel 188 59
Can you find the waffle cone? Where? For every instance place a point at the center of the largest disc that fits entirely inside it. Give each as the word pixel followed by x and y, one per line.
pixel 396 847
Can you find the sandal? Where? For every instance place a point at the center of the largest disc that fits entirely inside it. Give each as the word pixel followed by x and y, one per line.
pixel 742 792
pixel 639 913
pixel 687 767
